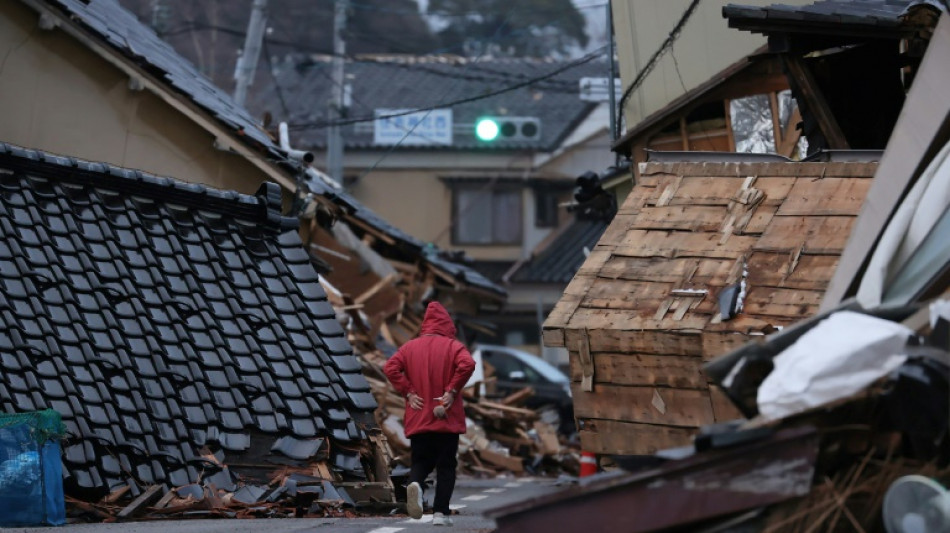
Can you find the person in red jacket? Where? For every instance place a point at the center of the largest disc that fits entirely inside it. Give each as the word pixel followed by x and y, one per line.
pixel 429 371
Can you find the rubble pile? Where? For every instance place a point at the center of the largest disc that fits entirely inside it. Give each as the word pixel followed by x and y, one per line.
pixel 263 489
pixel 502 437
pixel 839 410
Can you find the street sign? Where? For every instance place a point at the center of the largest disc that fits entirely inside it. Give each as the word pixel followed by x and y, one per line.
pixel 422 128
pixel 595 89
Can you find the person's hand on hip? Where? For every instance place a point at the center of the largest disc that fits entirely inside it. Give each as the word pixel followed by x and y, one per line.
pixel 415 401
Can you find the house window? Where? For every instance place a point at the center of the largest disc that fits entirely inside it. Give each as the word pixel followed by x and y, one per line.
pixel 484 215
pixel 545 208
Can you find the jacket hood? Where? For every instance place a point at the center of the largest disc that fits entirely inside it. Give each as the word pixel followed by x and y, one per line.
pixel 437 321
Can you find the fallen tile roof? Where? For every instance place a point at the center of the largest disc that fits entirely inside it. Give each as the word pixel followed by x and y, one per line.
pixel 159 317
pixel 396 84
pixel 560 259
pixel 644 311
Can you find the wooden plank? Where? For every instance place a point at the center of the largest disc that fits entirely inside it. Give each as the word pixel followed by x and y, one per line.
pixel 771 169
pixel 820 235
pixel 624 438
pixel 705 190
pixel 684 271
pixel 723 408
pixel 636 200
pixel 680 217
pixel 770 269
pixel 683 407
pixel 378 286
pixel 759 221
pixel 609 319
pixel 552 338
pixel 817 104
pixel 828 196
pixel 549 445
pixel 794 303
pixel 586 362
pixel 626 294
pixel 791 135
pixel 776 125
pixel 719 343
pixel 672 244
pixel 645 370
pixel 514 464
pixel 138 505
pixel 646 342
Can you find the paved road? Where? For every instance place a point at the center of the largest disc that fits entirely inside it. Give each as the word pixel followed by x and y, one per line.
pixel 472 497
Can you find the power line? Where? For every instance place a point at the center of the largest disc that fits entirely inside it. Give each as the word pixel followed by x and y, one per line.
pixel 573 64
pixel 414 126
pixel 554 85
pixel 667 43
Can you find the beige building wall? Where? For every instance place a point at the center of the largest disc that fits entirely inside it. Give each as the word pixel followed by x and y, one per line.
pixel 59 96
pixel 420 203
pixel 706 45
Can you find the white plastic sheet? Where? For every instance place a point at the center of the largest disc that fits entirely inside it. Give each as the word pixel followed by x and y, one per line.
pixel 837 358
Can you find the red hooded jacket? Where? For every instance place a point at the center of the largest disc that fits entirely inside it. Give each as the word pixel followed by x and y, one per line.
pixel 429 365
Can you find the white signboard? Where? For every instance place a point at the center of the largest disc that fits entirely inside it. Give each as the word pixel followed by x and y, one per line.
pixel 422 128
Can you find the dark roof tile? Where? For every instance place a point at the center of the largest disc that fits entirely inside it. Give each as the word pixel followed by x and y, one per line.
pixel 563 256
pixel 123 339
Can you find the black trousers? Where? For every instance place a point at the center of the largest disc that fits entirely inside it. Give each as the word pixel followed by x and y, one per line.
pixel 435 451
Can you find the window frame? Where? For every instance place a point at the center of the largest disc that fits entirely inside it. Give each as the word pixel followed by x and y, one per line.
pixel 495 190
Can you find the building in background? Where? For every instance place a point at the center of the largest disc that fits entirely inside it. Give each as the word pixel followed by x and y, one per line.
pixel 431 174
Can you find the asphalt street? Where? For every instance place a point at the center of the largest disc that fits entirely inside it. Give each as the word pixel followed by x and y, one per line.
pixel 472 497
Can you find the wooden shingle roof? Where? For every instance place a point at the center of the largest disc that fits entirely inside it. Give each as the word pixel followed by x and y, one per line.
pixel 645 307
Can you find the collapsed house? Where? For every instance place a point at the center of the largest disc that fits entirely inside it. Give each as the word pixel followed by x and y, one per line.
pixel 700 258
pixel 176 329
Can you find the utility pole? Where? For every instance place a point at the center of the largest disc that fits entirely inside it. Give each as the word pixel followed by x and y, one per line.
pixel 247 63
pixel 613 74
pixel 335 105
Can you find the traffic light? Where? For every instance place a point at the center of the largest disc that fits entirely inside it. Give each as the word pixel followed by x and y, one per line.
pixel 500 129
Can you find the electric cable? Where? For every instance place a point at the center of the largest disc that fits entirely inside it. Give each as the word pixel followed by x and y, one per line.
pixel 573 64
pixel 645 71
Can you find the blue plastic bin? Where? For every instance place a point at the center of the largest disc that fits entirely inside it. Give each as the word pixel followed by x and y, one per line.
pixel 31 470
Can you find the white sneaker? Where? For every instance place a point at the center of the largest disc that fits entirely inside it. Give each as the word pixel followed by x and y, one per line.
pixel 439 519
pixel 414 500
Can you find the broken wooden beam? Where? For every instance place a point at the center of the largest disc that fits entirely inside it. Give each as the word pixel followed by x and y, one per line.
pixel 147 498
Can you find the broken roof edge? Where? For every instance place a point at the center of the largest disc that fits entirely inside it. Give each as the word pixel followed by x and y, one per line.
pixel 263 207
pixel 849 169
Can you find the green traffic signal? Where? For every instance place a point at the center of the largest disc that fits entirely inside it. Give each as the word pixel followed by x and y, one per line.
pixel 486 129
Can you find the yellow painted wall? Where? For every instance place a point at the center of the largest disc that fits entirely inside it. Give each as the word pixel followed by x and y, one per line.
pixel 57 95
